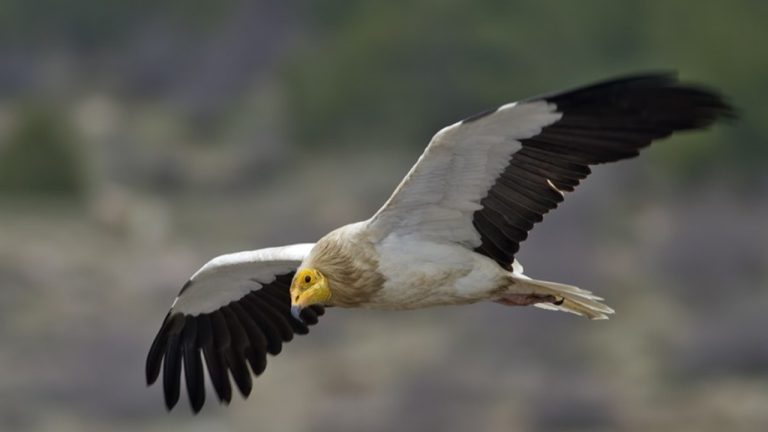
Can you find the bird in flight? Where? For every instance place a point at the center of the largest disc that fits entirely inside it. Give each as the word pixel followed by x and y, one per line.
pixel 448 234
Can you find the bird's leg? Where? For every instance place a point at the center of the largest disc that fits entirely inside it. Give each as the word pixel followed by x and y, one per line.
pixel 529 299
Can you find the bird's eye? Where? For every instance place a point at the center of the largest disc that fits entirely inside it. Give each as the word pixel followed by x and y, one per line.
pixel 307 279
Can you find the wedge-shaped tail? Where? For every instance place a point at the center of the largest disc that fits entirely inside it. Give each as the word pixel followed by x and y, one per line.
pixel 570 298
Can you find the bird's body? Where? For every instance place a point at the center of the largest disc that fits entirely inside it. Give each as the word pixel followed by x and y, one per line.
pixel 401 272
pixel 448 235
pixel 427 273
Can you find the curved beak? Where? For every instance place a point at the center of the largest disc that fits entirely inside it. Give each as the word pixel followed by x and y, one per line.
pixel 316 294
pixel 296 312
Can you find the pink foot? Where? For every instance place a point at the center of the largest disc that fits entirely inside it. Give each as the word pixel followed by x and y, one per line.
pixel 529 299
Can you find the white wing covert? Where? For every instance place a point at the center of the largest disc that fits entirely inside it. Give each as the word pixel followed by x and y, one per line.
pixel 484 182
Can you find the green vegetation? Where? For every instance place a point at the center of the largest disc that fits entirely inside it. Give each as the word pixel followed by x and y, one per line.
pixel 40 157
pixel 392 73
pixel 333 75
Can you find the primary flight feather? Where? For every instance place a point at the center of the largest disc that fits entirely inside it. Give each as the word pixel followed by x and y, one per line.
pixel 447 236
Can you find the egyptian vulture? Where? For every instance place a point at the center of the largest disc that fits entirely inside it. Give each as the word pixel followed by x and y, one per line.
pixel 448 235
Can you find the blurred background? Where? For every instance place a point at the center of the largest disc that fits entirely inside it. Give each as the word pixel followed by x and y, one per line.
pixel 138 140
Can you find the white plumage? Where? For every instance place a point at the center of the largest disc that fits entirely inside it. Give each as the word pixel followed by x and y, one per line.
pixel 229 277
pixel 437 198
pixel 448 234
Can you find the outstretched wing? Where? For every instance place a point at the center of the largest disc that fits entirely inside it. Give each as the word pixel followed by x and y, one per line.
pixel 234 311
pixel 485 181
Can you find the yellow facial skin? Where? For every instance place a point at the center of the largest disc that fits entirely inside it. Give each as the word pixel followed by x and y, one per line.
pixel 309 287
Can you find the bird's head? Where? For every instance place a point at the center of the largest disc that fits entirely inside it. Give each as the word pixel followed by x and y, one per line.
pixel 309 287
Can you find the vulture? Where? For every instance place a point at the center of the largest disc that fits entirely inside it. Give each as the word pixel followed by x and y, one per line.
pixel 447 235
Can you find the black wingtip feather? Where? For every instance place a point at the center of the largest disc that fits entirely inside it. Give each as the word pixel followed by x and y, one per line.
pixel 172 372
pixel 606 88
pixel 222 341
pixel 236 356
pixel 603 122
pixel 319 309
pixel 278 312
pixel 264 320
pixel 651 99
pixel 217 371
pixel 157 351
pixel 256 349
pixel 193 366
pixel 231 339
pixel 309 316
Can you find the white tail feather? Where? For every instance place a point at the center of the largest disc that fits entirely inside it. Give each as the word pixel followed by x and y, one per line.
pixel 575 300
